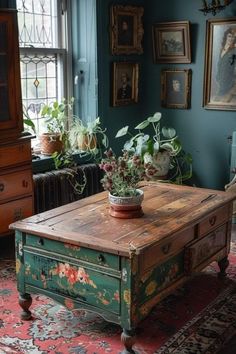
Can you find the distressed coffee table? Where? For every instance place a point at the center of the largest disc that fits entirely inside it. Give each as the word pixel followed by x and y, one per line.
pixel 79 255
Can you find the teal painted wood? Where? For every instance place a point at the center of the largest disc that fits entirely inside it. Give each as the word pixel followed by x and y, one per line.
pixel 74 281
pixel 72 304
pixel 20 267
pixel 85 254
pixel 126 293
pixel 159 278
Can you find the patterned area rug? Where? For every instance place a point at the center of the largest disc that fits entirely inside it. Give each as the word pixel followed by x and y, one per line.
pixel 197 319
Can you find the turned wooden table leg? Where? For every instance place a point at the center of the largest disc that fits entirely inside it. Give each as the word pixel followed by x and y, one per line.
pixel 223 264
pixel 25 301
pixel 128 339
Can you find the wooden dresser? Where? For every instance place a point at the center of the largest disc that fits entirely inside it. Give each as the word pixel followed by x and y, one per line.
pixel 81 256
pixel 16 187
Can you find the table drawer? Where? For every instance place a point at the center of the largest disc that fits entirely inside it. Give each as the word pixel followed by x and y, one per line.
pixel 92 256
pixel 15 184
pixel 213 220
pixel 205 248
pixel 13 211
pixel 15 154
pixel 164 250
pixel 79 283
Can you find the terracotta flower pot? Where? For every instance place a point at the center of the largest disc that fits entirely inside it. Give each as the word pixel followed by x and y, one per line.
pixel 126 207
pixel 50 143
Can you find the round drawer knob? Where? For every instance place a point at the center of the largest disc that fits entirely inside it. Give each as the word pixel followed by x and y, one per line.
pixel 1 187
pixel 101 258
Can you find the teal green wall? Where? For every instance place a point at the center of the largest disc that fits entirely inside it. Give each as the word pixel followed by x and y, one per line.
pixel 7 3
pixel 115 117
pixel 203 132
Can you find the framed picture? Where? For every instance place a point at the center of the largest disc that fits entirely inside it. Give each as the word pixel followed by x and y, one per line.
pixel 125 83
pixel 171 42
pixel 220 65
pixel 126 29
pixel 176 88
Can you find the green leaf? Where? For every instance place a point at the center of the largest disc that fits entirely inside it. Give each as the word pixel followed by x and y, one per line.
pixel 45 110
pixel 155 118
pixel 55 105
pixel 128 145
pixel 142 125
pixel 123 131
pixel 168 133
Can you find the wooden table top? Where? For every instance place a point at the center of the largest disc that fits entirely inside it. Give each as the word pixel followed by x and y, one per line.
pixel 168 208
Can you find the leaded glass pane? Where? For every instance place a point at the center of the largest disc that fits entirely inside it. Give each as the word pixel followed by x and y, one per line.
pixel 39 83
pixel 38 23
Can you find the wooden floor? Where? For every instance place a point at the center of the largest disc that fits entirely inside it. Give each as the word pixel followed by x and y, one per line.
pixel 7 251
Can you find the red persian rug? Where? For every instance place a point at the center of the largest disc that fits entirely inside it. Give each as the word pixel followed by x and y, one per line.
pixel 198 318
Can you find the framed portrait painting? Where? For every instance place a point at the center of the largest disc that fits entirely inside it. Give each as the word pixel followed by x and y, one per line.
pixel 171 42
pixel 125 83
pixel 126 29
pixel 220 65
pixel 176 88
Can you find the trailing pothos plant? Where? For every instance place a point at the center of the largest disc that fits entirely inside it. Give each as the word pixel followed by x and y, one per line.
pixel 149 145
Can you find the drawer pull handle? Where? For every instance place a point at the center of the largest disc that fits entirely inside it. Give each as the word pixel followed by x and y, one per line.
pixel 25 183
pixel 41 242
pixel 1 187
pixel 212 220
pixel 101 258
pixel 166 248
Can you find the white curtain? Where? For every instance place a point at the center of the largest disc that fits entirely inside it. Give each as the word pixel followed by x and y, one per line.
pixel 86 77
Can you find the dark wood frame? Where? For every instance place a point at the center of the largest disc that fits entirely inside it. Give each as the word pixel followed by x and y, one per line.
pixel 133 16
pixel 132 69
pixel 219 73
pixel 169 30
pixel 176 99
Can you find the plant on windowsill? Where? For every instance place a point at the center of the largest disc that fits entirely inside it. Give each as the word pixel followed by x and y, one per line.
pixel 88 138
pixel 160 152
pixel 56 137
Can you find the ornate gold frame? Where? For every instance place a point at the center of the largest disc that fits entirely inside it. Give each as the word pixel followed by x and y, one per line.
pixel 220 59
pixel 180 98
pixel 132 71
pixel 133 16
pixel 171 42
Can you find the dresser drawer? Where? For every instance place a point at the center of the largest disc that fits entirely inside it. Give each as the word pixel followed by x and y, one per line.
pixel 15 154
pixel 88 255
pixel 205 248
pixel 213 220
pixel 165 249
pixel 13 211
pixel 15 184
pixel 74 281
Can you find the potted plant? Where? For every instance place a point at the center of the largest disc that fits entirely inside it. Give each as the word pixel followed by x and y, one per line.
pixel 88 137
pixel 121 178
pixel 56 116
pixel 160 152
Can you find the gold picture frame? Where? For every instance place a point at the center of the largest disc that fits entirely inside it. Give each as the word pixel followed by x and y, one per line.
pixel 171 42
pixel 176 88
pixel 125 83
pixel 219 91
pixel 126 29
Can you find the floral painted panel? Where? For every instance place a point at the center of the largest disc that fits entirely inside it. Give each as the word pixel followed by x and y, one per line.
pixel 81 284
pixel 160 277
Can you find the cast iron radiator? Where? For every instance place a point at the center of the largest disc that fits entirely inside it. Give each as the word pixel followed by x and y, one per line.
pixel 55 188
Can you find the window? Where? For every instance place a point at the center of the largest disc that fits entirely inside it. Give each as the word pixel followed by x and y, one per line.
pixel 43 40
